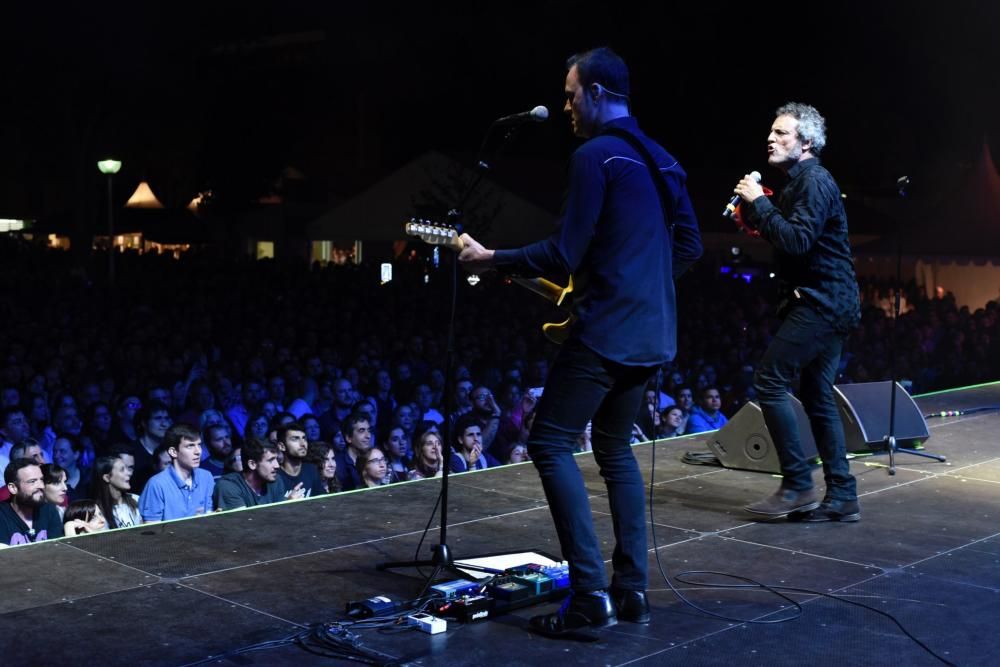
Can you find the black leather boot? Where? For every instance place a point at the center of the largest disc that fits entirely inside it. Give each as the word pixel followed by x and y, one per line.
pixel 580 611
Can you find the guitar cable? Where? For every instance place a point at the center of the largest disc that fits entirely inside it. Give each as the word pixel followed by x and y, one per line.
pixel 746 582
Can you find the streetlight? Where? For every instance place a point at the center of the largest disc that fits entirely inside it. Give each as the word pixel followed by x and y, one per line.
pixel 110 167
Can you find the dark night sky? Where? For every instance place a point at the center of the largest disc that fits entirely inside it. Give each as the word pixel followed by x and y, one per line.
pixel 225 95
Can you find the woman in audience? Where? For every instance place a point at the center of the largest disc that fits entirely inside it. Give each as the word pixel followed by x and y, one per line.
pixel 398 464
pixel 673 422
pixel 83 516
pixel 112 491
pixel 427 461
pixel 372 467
pixel 321 455
pixel 55 486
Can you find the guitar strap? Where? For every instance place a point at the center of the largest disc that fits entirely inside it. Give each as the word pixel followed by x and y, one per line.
pixel 666 198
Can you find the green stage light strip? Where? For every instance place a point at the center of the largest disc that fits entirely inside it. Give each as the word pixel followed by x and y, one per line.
pixel 945 391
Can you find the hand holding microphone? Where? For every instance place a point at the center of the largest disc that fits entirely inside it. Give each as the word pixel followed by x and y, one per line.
pixel 747 189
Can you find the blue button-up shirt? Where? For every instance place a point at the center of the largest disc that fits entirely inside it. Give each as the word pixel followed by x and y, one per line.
pixel 167 496
pixel 613 238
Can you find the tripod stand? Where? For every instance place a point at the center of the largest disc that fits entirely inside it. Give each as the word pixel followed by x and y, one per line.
pixel 441 556
pixel 890 439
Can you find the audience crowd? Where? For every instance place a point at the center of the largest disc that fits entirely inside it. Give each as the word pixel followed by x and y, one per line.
pixel 206 384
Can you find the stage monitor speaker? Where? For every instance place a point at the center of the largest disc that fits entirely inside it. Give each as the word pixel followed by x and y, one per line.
pixel 864 410
pixel 745 443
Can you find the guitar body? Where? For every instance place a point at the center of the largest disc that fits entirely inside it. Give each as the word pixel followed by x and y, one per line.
pixel 443 235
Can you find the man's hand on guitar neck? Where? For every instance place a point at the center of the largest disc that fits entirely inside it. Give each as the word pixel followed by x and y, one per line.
pixel 474 257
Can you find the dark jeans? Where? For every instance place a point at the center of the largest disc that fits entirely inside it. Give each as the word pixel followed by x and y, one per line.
pixel 583 386
pixel 805 345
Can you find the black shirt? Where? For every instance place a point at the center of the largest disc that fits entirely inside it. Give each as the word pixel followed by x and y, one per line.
pixel 312 484
pixel 808 228
pixel 45 524
pixel 347 472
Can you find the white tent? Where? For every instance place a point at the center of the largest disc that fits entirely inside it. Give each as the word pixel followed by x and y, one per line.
pixel 143 197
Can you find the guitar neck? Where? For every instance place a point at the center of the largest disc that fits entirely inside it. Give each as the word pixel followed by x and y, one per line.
pixel 544 288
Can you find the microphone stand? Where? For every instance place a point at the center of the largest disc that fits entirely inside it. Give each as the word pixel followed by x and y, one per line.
pixel 441 555
pixel 890 438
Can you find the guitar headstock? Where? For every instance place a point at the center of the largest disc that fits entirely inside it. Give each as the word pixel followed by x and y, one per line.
pixel 434 233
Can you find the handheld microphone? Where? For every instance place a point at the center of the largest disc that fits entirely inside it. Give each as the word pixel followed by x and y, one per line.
pixel 537 115
pixel 731 206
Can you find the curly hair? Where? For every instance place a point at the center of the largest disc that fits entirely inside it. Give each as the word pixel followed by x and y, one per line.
pixel 812 126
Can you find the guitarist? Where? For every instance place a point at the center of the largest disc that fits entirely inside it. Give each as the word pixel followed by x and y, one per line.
pixel 625 237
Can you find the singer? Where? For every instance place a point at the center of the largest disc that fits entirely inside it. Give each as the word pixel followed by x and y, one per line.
pixel 624 238
pixel 820 305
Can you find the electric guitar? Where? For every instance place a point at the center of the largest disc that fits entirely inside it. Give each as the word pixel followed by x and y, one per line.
pixel 445 235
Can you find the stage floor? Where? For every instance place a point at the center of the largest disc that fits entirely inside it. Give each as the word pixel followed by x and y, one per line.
pixel 927 551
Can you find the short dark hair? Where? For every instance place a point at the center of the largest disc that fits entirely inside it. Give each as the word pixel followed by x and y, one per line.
pixel 282 431
pixel 178 432
pixel 10 472
pixel 145 413
pixel 603 66
pixel 352 420
pixel 465 421
pixel 254 449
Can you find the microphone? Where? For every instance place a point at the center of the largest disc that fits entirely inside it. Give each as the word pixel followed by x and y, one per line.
pixel 731 206
pixel 537 115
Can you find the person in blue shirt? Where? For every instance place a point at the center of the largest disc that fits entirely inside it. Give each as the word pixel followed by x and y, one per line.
pixel 708 415
pixel 183 489
pixel 624 245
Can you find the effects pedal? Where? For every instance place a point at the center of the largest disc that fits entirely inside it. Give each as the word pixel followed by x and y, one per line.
pixel 427 623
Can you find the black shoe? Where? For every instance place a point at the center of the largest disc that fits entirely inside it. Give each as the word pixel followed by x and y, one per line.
pixel 580 611
pixel 785 501
pixel 845 511
pixel 631 606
